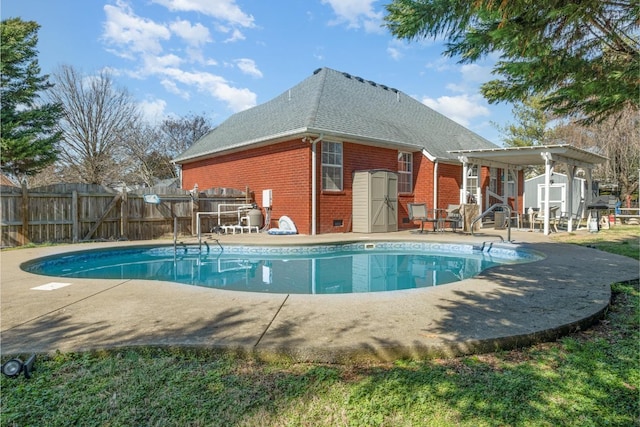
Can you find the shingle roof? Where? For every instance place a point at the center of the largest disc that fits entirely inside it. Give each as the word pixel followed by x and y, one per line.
pixel 342 106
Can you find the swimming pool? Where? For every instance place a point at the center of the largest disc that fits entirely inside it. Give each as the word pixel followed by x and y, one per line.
pixel 313 269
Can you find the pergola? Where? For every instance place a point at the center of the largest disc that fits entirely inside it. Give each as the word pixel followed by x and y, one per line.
pixel 516 158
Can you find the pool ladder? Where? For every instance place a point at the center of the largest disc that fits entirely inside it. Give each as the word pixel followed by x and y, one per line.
pixel 491 209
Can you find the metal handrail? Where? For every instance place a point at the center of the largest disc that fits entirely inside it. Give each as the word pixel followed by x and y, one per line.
pixel 491 209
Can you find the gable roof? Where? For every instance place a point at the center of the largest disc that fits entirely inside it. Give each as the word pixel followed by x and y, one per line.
pixel 345 107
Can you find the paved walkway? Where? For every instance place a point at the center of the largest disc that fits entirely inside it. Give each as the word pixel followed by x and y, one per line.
pixel 506 306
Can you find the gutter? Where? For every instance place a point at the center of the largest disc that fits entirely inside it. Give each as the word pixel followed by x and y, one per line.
pixel 314 179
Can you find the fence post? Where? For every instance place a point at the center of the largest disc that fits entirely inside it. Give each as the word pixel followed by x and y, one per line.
pixel 25 215
pixel 75 230
pixel 195 208
pixel 124 213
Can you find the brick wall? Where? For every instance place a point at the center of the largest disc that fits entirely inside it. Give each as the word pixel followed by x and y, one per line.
pixel 336 206
pixel 449 184
pixel 286 169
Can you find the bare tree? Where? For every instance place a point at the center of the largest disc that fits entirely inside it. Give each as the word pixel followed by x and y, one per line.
pixel 618 139
pixel 146 148
pixel 97 116
pixel 181 133
pixel 152 149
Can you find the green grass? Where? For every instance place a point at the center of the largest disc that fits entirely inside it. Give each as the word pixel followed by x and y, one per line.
pixel 590 378
pixel 620 239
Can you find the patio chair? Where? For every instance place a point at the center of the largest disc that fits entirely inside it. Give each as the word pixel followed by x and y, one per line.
pixel 454 217
pixel 515 216
pixel 419 212
pixel 553 219
pixel 577 218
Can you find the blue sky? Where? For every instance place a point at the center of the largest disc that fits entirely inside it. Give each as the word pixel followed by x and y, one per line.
pixel 217 57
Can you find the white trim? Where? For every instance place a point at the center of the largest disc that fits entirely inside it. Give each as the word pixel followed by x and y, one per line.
pixel 332 165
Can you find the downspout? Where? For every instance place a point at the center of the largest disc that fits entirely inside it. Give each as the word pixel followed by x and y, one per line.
pixel 314 184
pixel 435 185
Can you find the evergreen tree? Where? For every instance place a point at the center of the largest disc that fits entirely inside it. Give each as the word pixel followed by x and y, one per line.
pixel 28 136
pixel 583 56
pixel 531 127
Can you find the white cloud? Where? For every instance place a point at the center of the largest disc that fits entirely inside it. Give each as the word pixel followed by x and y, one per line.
pixel 225 10
pixel 155 64
pixel 194 35
pixel 153 110
pixel 394 53
pixel 476 73
pixel 141 40
pixel 460 108
pixel 248 66
pixel 235 36
pixel 441 64
pixel 171 87
pixel 357 14
pixel 237 99
pixel 131 33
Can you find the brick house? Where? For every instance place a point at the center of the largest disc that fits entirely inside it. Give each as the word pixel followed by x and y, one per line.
pixel 307 143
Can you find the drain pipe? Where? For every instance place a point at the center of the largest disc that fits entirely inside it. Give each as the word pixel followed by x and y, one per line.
pixel 435 185
pixel 314 184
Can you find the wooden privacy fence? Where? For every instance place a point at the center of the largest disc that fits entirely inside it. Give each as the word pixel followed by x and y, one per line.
pixel 83 212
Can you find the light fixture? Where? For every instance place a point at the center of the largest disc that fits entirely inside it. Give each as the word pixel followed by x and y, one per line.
pixel 13 367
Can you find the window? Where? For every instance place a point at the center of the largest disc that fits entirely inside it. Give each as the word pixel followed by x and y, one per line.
pixel 331 166
pixel 510 186
pixel 405 172
pixel 493 180
pixel 472 183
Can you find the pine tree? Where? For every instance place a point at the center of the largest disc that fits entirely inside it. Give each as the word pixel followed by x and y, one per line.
pixel 583 56
pixel 28 137
pixel 532 126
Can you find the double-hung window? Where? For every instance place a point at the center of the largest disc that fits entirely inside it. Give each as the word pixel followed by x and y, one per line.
pixel 405 172
pixel 331 166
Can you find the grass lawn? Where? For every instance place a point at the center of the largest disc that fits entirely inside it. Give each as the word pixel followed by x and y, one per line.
pixel 590 378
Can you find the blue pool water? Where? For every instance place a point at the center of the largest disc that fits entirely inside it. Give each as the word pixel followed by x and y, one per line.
pixel 324 269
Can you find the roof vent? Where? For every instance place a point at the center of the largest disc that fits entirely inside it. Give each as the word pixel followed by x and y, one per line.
pixel 384 87
pixel 372 83
pixel 317 71
pixel 360 79
pixel 347 75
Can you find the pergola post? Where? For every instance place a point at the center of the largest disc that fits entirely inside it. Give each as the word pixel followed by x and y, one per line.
pixel 548 169
pixel 571 171
pixel 465 173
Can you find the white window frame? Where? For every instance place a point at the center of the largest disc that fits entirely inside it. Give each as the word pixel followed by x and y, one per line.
pixel 493 179
pixel 405 172
pixel 332 161
pixel 472 179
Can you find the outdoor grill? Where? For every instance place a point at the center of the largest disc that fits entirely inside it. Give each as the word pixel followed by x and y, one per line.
pixel 600 203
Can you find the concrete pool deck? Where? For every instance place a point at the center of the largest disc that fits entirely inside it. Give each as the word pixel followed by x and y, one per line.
pixel 504 307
